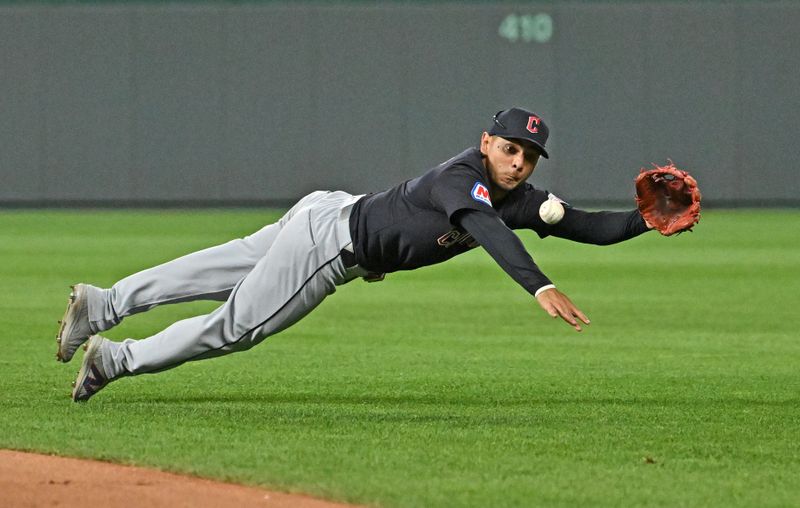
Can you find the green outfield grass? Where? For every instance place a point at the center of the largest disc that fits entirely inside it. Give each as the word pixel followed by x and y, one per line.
pixel 446 386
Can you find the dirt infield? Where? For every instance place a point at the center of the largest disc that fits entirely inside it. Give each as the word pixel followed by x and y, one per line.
pixel 28 480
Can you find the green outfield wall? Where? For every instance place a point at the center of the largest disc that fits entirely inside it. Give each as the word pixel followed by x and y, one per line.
pixel 260 102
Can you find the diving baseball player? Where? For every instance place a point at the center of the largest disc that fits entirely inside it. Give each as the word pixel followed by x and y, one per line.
pixel 274 277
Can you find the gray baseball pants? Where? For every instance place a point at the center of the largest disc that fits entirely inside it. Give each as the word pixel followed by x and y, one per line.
pixel 268 281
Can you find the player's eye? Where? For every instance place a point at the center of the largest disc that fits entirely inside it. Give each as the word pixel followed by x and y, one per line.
pixel 531 156
pixel 510 149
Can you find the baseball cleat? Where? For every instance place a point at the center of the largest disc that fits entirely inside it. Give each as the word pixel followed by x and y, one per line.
pixel 74 329
pixel 92 377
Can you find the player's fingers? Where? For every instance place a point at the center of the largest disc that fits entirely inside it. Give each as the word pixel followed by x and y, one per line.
pixel 566 315
pixel 548 307
pixel 580 315
pixel 575 311
pixel 562 307
pixel 576 326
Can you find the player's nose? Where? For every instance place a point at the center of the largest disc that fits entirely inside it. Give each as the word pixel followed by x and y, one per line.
pixel 517 163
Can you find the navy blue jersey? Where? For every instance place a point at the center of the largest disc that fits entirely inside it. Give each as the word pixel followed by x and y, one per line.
pixel 411 225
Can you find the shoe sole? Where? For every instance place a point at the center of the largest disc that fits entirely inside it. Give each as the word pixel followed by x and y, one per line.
pixel 68 319
pixel 90 348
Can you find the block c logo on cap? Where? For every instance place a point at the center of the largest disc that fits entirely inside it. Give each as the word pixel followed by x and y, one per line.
pixel 481 193
pixel 533 120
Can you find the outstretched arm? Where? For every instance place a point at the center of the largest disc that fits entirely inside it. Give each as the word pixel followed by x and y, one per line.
pixel 599 228
pixel 507 250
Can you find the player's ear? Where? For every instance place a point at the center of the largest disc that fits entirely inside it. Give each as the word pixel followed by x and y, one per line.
pixel 485 140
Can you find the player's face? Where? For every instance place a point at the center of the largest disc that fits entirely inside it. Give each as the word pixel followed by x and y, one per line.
pixel 508 162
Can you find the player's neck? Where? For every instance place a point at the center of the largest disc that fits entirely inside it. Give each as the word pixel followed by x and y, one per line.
pixel 497 194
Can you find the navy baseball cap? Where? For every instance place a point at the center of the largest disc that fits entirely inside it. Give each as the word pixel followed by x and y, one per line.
pixel 516 123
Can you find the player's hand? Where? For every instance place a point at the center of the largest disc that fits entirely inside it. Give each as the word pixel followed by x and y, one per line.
pixel 556 303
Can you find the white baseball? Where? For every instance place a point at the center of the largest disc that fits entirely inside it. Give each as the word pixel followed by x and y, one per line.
pixel 551 211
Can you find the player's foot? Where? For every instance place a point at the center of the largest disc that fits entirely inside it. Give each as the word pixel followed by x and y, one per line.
pixel 74 326
pixel 92 376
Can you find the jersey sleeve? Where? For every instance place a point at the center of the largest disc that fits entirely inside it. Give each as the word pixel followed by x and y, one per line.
pixel 461 187
pixel 522 210
pixel 505 247
pixel 598 228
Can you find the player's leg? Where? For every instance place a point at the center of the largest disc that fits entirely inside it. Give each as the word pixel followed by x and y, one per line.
pixel 209 274
pixel 303 266
pixel 204 275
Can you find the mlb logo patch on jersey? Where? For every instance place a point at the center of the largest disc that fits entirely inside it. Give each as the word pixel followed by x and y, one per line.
pixel 481 193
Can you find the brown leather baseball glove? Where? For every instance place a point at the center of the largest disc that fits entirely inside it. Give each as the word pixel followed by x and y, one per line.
pixel 668 199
